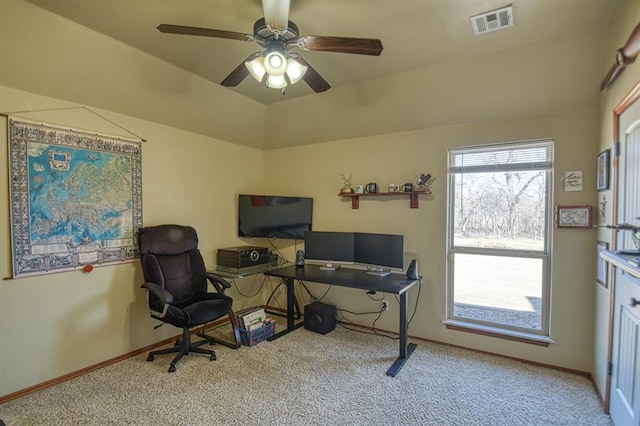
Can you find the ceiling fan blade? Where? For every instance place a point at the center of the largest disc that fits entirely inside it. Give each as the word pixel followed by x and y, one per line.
pixel 359 46
pixel 631 48
pixel 611 75
pixel 205 32
pixel 624 56
pixel 311 77
pixel 240 73
pixel 237 75
pixel 276 14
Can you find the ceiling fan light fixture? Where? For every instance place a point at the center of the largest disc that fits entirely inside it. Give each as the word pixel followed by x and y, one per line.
pixel 295 70
pixel 276 82
pixel 275 63
pixel 256 68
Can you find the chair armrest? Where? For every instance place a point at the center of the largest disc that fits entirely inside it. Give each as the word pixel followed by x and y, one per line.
pixel 218 282
pixel 162 294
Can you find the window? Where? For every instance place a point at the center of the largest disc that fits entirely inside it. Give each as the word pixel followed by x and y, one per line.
pixel 498 237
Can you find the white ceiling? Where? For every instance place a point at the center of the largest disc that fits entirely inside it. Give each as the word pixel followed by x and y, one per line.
pixel 414 33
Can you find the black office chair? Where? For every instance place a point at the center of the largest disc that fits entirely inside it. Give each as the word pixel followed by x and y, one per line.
pixel 176 283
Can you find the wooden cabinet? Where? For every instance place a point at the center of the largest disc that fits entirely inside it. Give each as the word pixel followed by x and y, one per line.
pixel 625 362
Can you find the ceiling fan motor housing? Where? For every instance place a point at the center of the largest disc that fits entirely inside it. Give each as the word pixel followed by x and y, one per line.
pixel 261 31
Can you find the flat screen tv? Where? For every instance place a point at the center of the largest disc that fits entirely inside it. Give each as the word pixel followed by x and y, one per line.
pixel 269 216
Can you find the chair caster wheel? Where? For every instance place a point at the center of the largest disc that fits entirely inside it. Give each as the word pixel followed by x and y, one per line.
pixel 212 357
pixel 172 369
pixel 150 358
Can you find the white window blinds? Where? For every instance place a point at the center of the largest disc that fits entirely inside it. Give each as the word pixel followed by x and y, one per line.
pixel 529 155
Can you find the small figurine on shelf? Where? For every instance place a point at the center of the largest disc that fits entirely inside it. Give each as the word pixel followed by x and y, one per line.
pixel 423 181
pixel 346 185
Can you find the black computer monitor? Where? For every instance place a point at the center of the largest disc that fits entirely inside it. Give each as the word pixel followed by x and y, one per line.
pixel 380 252
pixel 330 249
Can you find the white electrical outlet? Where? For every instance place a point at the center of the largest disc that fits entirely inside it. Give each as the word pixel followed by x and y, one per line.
pixel 385 305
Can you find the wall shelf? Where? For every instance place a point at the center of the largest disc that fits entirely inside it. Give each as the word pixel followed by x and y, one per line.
pixel 413 197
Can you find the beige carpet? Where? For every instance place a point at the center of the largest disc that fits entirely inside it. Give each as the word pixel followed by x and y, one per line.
pixel 306 378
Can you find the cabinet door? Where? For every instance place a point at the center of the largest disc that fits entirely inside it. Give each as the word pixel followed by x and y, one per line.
pixel 625 383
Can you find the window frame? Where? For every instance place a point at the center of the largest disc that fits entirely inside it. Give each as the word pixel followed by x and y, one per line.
pixel 545 255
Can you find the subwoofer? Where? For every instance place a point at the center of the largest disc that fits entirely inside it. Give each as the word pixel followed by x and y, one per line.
pixel 320 317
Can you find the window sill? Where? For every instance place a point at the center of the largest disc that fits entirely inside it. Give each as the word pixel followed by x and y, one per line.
pixel 517 336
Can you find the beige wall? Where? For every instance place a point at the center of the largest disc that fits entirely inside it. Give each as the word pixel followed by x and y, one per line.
pixel 543 77
pixel 54 324
pixel 67 61
pixel 385 130
pixel 401 157
pixel 626 18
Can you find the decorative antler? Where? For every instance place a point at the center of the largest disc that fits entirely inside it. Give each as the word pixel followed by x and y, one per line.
pixel 346 184
pixel 424 178
pixel 635 237
pixel 622 227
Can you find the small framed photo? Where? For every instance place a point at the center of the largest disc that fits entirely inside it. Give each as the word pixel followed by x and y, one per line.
pixel 577 217
pixel 602 278
pixel 602 178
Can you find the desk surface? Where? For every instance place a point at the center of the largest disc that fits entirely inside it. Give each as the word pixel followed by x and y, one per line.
pixel 355 278
pixel 248 271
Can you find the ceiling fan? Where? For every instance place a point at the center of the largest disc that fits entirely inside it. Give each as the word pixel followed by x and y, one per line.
pixel 277 65
pixel 624 56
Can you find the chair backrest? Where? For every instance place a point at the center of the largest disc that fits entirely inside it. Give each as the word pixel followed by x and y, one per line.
pixel 171 259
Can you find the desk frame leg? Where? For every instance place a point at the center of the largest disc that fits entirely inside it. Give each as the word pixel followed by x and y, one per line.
pixel 406 348
pixel 296 306
pixel 290 303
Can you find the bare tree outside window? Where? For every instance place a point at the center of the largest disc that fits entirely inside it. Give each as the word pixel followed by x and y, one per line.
pixel 498 260
pixel 504 209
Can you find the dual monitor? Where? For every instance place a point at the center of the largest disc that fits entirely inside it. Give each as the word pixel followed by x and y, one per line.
pixel 379 252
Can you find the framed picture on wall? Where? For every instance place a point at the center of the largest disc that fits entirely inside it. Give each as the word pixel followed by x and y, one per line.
pixel 573 217
pixel 602 179
pixel 602 277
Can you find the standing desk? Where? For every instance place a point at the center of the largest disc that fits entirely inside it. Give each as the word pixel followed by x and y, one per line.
pixel 352 278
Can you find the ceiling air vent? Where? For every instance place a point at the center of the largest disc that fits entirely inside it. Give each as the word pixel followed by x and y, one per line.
pixel 494 20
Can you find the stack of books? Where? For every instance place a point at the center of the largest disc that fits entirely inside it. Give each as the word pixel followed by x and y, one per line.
pixel 254 318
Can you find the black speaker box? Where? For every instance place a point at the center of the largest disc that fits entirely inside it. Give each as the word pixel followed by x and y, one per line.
pixel 320 317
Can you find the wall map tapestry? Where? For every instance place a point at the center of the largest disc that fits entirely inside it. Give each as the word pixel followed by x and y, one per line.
pixel 76 198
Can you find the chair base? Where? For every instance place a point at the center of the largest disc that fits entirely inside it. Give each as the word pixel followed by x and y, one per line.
pixel 184 348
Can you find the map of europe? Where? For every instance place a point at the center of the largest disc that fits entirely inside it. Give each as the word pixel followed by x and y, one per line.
pixel 76 199
pixel 78 196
